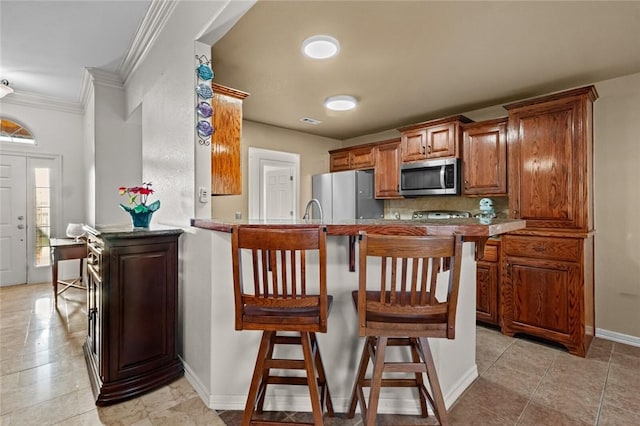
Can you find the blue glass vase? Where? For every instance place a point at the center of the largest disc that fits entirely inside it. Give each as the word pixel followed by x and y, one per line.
pixel 141 215
pixel 140 220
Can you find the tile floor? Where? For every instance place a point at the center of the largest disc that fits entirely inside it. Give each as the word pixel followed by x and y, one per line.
pixel 43 379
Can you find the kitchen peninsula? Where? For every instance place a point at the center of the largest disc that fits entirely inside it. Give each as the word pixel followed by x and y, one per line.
pixel 231 354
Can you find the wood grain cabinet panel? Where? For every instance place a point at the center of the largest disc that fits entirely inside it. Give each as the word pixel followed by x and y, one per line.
pixel 484 158
pixel 131 346
pixel 226 177
pixel 361 158
pixel 387 169
pixel 488 284
pixel 432 139
pixel 339 161
pixel 547 269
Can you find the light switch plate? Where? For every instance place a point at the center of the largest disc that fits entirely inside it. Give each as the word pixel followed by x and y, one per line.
pixel 203 195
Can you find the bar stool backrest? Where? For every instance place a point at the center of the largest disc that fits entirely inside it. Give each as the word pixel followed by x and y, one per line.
pixel 280 283
pixel 405 300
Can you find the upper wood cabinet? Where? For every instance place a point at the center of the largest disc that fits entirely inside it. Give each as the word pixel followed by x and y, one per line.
pixel 484 158
pixel 551 160
pixel 432 139
pixel 226 178
pixel 352 158
pixel 387 169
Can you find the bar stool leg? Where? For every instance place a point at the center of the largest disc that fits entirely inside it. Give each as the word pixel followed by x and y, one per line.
pixel 376 380
pixel 422 391
pixel 312 380
pixel 325 400
pixel 357 395
pixel 438 400
pixel 262 390
pixel 257 377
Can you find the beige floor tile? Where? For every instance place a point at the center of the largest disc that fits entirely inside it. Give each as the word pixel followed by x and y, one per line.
pixel 189 412
pixel 54 410
pixel 621 348
pixel 538 415
pixel 616 416
pixel 496 398
pixel 579 403
pixel 519 382
pixel 528 357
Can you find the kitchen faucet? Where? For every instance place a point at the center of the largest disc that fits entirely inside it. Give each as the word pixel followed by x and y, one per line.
pixel 309 204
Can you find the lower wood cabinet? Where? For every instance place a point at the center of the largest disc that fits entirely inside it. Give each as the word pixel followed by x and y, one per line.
pixel 547 289
pixel 488 284
pixel 132 311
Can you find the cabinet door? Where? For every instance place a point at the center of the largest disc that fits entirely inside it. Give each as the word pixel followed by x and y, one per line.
pixel 361 158
pixel 549 164
pixel 94 317
pixel 484 159
pixel 142 315
pixel 441 141
pixel 487 292
pixel 226 177
pixel 387 170
pixel 339 161
pixel 414 145
pixel 542 297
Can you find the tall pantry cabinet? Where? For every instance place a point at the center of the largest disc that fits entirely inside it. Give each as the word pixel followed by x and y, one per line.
pixel 547 268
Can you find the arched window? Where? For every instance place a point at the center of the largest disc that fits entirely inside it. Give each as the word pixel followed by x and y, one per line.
pixel 11 131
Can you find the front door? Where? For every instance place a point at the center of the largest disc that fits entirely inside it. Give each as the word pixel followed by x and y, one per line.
pixel 13 220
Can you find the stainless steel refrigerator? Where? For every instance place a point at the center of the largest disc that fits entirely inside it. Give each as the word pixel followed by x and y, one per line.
pixel 346 195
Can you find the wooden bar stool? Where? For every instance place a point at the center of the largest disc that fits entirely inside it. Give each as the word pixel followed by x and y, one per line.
pixel 274 298
pixel 404 309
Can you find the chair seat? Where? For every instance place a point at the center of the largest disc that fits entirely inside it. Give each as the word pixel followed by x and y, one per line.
pixel 290 316
pixel 397 317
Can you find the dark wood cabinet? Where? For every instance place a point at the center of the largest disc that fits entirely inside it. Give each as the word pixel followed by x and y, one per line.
pixel 547 271
pixel 132 311
pixel 387 169
pixel 484 158
pixel 226 177
pixel 432 139
pixel 488 284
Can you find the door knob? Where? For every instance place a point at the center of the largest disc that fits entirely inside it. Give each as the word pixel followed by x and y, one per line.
pixel 20 217
pixel 21 226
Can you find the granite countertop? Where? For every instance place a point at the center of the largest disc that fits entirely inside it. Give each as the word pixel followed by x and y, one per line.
pixel 128 231
pixel 470 227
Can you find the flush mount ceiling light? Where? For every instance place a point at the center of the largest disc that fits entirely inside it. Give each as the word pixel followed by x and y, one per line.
pixel 340 103
pixel 4 88
pixel 320 47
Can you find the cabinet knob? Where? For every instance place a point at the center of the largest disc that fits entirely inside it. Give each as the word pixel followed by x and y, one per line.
pixel 428 149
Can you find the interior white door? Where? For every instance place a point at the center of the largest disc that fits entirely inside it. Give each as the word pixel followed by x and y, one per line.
pixel 13 220
pixel 279 200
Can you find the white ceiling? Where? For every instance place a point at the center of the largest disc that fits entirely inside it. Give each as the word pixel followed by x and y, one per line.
pixel 45 45
pixel 405 61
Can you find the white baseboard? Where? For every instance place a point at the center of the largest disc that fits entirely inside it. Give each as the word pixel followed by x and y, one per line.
pixel 618 337
pixel 301 403
pixel 198 386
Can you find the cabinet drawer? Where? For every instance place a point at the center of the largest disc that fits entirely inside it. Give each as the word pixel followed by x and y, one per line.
pixel 490 253
pixel 567 249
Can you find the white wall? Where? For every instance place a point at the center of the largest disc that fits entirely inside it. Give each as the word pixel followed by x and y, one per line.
pixel 163 86
pixel 57 132
pixel 617 205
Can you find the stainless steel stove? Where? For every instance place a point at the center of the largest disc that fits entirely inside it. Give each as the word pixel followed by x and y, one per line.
pixel 440 214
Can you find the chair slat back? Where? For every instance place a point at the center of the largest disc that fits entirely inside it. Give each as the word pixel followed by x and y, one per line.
pixel 279 268
pixel 407 287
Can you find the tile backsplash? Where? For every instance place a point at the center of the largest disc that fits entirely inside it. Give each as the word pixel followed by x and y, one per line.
pixel 406 206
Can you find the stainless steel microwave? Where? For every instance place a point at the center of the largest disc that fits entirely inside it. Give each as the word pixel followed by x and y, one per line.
pixel 430 177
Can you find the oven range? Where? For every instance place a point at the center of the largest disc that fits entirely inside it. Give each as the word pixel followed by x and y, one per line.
pixel 440 214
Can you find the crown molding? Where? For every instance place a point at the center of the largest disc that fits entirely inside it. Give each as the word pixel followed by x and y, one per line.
pixel 96 76
pixel 43 102
pixel 148 31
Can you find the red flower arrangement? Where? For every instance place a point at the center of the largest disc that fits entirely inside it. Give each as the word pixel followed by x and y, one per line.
pixel 138 196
